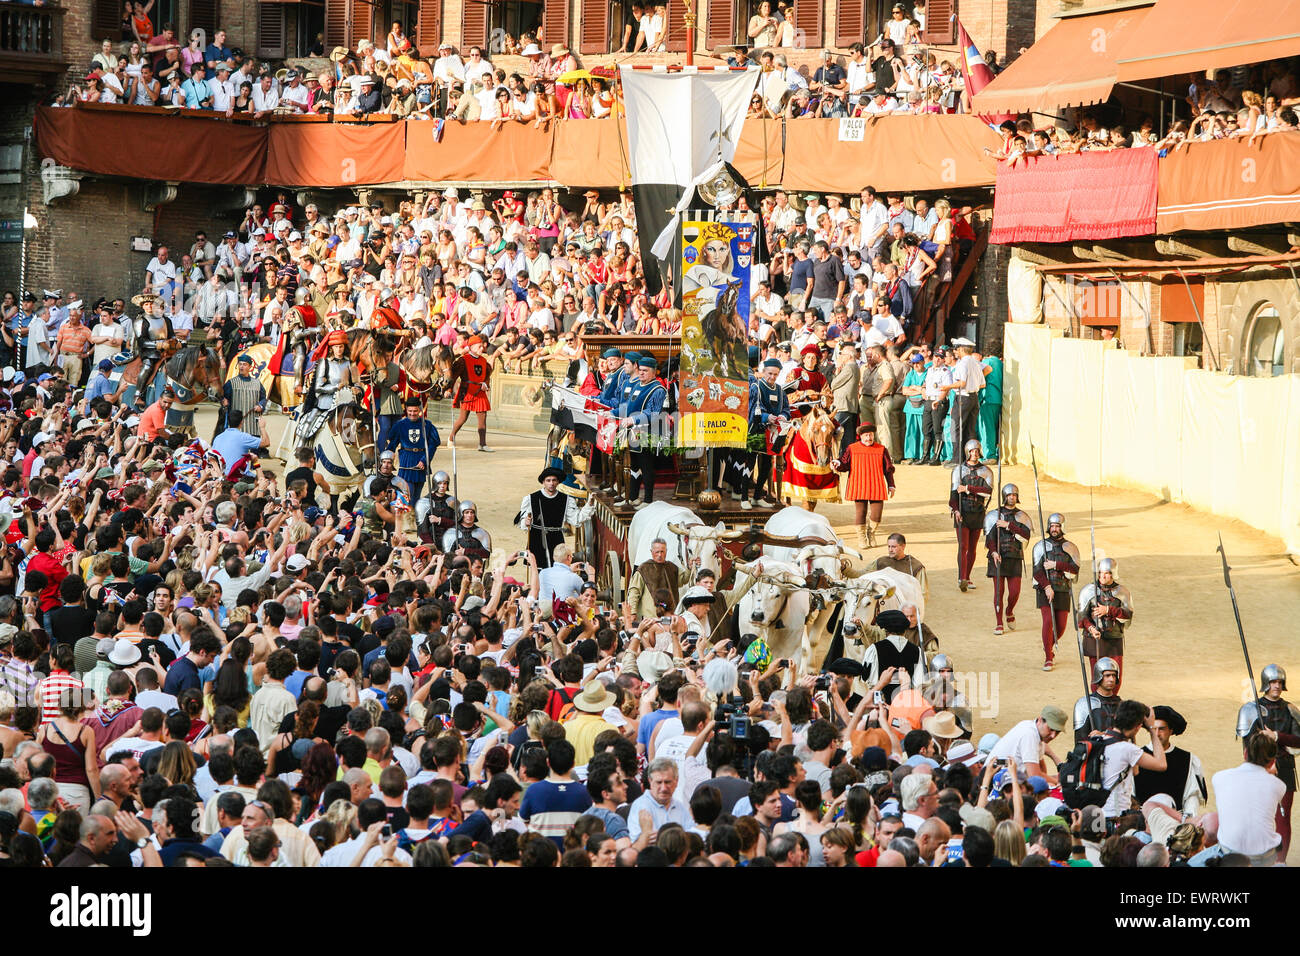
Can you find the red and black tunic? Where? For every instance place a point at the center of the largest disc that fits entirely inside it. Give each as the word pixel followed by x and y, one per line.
pixel 472 375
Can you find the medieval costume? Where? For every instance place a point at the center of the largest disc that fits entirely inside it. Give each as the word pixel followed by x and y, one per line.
pixel 244 393
pixel 1105 609
pixel 871 481
pixel 972 487
pixel 1059 578
pixel 1006 532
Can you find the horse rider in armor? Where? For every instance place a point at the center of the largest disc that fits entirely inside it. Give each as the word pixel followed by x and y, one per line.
pixel 299 333
pixel 467 537
pixel 1056 566
pixel 1007 530
pixel 152 334
pixel 332 384
pixel 1105 609
pixel 972 487
pixel 1096 713
pixel 1279 719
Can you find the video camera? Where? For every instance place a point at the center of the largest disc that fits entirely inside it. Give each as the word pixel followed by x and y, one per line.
pixel 731 717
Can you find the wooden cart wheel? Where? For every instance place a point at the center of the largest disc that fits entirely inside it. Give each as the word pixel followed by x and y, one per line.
pixel 614 578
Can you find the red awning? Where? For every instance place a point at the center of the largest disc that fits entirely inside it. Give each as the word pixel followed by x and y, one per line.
pixel 1072 65
pixel 1192 36
pixel 1078 196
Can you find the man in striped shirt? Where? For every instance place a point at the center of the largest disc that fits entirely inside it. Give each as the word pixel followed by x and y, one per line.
pixel 552 806
pixel 19 670
pixel 50 690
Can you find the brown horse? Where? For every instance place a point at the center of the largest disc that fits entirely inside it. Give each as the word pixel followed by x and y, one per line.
pixel 809 476
pixel 195 375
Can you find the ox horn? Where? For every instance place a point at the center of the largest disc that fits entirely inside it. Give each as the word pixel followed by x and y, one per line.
pixel 844 549
pixel 676 527
pixel 780 538
pixel 734 535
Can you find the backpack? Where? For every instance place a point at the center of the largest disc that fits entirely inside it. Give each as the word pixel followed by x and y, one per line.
pixel 567 710
pixel 1081 773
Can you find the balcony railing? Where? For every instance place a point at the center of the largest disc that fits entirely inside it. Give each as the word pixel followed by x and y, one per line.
pixel 31 39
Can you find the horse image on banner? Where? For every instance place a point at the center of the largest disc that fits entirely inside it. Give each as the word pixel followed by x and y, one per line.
pixel 715 314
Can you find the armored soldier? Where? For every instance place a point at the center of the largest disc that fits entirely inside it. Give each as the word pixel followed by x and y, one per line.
pixel 466 536
pixel 298 334
pixel 245 394
pixel 415 441
pixel 1056 566
pixel 807 383
pixel 1096 712
pixel 972 488
pixel 642 406
pixel 441 514
pixel 1279 719
pixel 768 407
pixel 152 334
pixel 1007 530
pixel 940 687
pixel 1105 609
pixel 334 376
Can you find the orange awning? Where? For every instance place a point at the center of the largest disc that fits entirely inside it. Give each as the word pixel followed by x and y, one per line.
pixel 1191 36
pixel 1072 65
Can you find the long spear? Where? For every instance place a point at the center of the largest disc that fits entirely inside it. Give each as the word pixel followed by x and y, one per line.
pixel 1078 639
pixel 1236 613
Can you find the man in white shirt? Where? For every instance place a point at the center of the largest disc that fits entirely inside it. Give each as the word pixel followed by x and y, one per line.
pixel 265 98
pixel 875 223
pixel 106 337
pixel 784 216
pixel 673 738
pixel 767 304
pixel 295 92
pixel 658 805
pixel 859 73
pixel 371 812
pixel 232 255
pixel 559 580
pixel 967 378
pixel 1247 798
pixel 160 273
pixel 1123 755
pixel 448 68
pixel 478 67
pixel 38 345
pixel 1026 743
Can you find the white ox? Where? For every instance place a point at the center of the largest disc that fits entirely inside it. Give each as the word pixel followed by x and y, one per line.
pixel 795 522
pixel 691 542
pixel 889 588
pixel 776 609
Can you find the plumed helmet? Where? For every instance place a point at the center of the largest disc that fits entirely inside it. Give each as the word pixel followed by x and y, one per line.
pixel 1010 489
pixel 1107 564
pixel 974 443
pixel 1269 674
pixel 1104 664
pixel 466 505
pixel 1056 518
pixel 439 477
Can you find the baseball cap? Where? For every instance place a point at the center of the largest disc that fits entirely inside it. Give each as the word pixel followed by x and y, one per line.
pixel 296 562
pixel 105 365
pixel 1054 717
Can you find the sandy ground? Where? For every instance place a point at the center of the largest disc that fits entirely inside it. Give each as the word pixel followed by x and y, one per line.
pixel 1182 648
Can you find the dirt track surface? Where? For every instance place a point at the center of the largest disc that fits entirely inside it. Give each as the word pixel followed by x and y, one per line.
pixel 1182 649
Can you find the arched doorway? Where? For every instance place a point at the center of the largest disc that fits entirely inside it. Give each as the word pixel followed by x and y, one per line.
pixel 1265 343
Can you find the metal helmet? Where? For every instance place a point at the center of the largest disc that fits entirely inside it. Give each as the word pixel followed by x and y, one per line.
pixel 1056 518
pixel 973 443
pixel 453 504
pixel 940 662
pixel 1107 564
pixel 1010 489
pixel 1103 664
pixel 301 296
pixel 1247 717
pixel 1269 674
pixel 464 506
pixel 439 477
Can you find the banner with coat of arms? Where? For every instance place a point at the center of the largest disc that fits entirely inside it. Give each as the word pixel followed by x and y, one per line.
pixel 714 370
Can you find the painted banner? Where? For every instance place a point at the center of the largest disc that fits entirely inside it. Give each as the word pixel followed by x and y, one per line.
pixel 716 257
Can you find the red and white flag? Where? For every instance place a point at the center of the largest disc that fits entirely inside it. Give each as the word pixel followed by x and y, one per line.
pixel 976 73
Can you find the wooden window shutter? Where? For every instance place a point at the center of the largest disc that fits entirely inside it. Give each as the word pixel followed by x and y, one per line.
pixel 593 27
pixel 428 29
pixel 107 22
pixel 204 16
pixel 808 24
pixel 473 25
pixel 676 26
pixel 850 22
pixel 270 30
pixel 939 25
pixel 555 23
pixel 720 28
pixel 338 23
